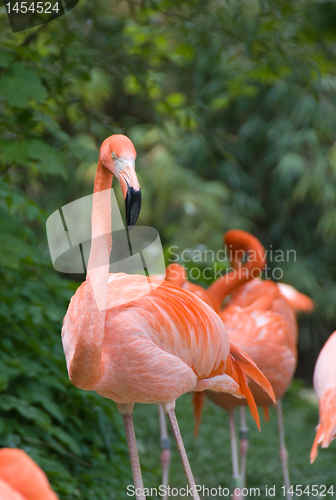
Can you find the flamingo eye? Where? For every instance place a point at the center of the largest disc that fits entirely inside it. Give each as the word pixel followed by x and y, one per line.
pixel 114 156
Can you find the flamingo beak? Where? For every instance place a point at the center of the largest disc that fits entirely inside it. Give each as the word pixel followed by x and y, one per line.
pixel 132 194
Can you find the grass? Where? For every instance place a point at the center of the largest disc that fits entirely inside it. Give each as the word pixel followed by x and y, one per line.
pixel 210 455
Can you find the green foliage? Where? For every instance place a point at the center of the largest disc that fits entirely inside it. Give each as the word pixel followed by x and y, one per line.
pixel 20 85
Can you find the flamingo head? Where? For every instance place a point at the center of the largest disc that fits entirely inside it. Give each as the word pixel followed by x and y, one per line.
pixel 118 154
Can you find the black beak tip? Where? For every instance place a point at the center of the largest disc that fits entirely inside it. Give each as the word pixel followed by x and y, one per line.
pixel 132 205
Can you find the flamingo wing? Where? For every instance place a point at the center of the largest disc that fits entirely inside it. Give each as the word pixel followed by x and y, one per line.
pixel 267 338
pixel 298 301
pixel 173 319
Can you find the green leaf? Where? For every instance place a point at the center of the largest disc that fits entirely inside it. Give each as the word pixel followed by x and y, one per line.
pixel 38 416
pixel 220 102
pixel 65 438
pixel 14 151
pixel 51 161
pixel 6 57
pixel 291 166
pixel 176 99
pixel 33 392
pixel 4 380
pixel 12 250
pixel 131 85
pixel 20 84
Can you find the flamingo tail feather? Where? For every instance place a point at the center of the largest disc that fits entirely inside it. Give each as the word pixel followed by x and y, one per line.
pixel 198 402
pixel 326 429
pixel 251 370
pixel 238 374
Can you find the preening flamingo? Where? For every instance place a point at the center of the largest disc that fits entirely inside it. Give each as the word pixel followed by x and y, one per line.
pixel 130 343
pixel 261 322
pixel 21 478
pixel 264 324
pixel 325 388
pixel 275 351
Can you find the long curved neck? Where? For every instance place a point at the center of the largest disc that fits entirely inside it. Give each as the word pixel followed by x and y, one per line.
pixel 224 285
pixel 101 239
pixel 85 368
pixel 241 245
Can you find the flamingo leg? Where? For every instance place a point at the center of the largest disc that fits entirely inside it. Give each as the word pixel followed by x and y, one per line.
pixel 169 408
pixel 244 440
pixel 126 412
pixel 237 482
pixel 165 447
pixel 283 450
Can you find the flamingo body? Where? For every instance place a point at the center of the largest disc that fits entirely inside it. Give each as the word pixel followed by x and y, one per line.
pixel 158 345
pixel 200 292
pixel 21 478
pixel 325 388
pixel 266 337
pixel 260 318
pixel 8 493
pixel 261 321
pixel 266 295
pixel 175 273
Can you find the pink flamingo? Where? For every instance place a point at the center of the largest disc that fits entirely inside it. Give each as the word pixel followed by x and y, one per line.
pixel 259 319
pixel 325 388
pixel 21 478
pixel 132 344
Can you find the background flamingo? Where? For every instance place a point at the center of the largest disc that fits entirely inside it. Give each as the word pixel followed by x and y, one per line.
pixel 265 324
pixel 21 478
pixel 259 320
pixel 270 336
pixel 131 343
pixel 325 388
